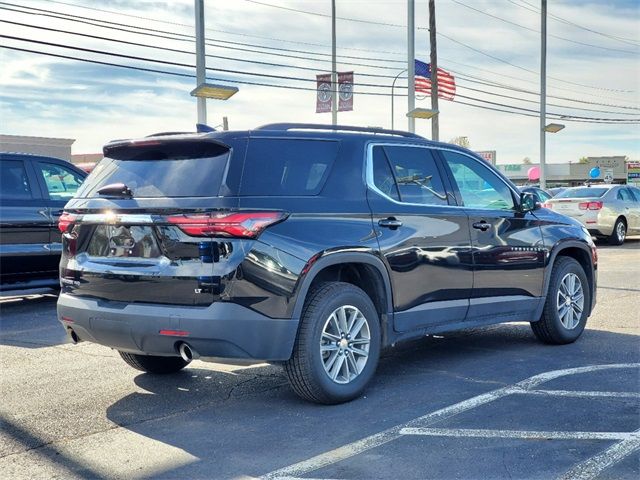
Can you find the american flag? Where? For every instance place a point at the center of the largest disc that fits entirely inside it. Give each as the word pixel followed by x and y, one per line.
pixel 446 81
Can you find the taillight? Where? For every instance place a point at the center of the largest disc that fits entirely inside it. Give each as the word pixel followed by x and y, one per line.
pixel 66 221
pixel 242 224
pixel 590 205
pixel 547 205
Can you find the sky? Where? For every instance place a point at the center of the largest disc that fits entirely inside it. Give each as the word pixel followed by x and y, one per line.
pixel 492 47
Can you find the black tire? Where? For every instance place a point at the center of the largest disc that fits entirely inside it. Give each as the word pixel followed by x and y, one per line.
pixel 619 232
pixel 154 364
pixel 549 329
pixel 305 370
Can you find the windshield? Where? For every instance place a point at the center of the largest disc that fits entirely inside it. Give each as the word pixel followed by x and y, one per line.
pixel 582 192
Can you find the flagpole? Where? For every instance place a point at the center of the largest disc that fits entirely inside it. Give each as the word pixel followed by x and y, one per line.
pixel 411 66
pixel 435 127
pixel 334 74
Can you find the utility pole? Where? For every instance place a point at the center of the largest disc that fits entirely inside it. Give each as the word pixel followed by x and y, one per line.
pixel 225 123
pixel 201 67
pixel 411 65
pixel 543 96
pixel 334 73
pixel 435 127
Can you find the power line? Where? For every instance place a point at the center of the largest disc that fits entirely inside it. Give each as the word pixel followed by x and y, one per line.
pixel 458 2
pixel 445 36
pixel 182 65
pixel 185 37
pixel 156 47
pixel 536 10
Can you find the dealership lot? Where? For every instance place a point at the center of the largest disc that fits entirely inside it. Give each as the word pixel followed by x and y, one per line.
pixel 487 403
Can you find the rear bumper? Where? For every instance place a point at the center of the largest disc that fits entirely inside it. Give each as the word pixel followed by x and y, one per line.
pixel 221 330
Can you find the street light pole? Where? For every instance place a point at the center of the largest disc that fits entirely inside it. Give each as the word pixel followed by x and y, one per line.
pixel 543 95
pixel 411 65
pixel 393 85
pixel 201 67
pixel 334 73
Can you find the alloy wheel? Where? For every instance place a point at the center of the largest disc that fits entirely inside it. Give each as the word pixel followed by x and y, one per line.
pixel 344 345
pixel 570 301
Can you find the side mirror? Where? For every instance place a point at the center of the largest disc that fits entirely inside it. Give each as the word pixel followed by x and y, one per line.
pixel 528 202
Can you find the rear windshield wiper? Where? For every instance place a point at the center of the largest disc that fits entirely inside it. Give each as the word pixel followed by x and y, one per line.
pixel 115 190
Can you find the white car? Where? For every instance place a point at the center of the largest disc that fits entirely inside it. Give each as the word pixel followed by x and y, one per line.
pixel 607 211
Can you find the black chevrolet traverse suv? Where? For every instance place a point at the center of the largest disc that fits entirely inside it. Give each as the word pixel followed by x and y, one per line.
pixel 311 246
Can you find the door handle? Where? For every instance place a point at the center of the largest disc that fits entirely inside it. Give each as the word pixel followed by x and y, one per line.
pixel 484 226
pixel 390 222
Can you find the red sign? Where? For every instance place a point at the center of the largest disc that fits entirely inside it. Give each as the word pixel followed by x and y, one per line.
pixel 323 94
pixel 345 91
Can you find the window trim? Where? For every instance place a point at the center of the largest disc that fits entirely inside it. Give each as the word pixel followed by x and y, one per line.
pixel 369 180
pixel 447 180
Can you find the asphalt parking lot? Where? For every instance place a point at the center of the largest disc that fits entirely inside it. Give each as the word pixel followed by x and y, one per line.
pixel 479 404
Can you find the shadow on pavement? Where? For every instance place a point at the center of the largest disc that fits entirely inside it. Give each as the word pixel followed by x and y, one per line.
pixel 30 322
pixel 249 422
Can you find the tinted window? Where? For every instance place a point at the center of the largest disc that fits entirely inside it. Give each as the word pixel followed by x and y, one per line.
pixel 624 195
pixel 147 175
pixel 478 185
pixel 285 167
pixel 62 183
pixel 582 192
pixel 14 184
pixel 414 171
pixel 383 177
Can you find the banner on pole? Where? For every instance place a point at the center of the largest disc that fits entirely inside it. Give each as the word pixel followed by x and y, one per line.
pixel 323 94
pixel 345 91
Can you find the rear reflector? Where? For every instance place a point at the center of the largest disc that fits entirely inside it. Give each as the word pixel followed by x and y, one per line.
pixel 66 220
pixel 240 225
pixel 590 205
pixel 174 333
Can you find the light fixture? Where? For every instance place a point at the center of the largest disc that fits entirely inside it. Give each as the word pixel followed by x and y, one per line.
pixel 215 91
pixel 422 113
pixel 553 127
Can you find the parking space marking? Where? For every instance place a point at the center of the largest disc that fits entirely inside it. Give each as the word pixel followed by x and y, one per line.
pixel 525 386
pixel 580 394
pixel 523 434
pixel 592 467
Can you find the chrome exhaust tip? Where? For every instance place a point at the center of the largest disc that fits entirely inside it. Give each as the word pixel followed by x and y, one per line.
pixel 187 353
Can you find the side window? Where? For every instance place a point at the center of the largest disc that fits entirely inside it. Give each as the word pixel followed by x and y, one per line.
pixel 14 183
pixel 410 174
pixel 544 196
pixel 478 185
pixel 62 183
pixel 287 167
pixel 624 195
pixel 635 192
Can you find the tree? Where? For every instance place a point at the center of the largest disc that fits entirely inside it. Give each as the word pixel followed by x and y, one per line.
pixel 583 160
pixel 526 161
pixel 461 141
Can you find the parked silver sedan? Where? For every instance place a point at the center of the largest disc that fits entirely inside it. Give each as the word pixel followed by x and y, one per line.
pixel 607 211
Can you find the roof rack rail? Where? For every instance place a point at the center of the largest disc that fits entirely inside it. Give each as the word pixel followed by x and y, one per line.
pixel 343 128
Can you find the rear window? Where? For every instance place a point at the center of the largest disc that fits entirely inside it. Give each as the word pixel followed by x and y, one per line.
pixel 582 192
pixel 195 170
pixel 287 167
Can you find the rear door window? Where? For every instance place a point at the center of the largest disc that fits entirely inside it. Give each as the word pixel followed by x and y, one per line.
pixel 287 167
pixel 14 183
pixel 408 174
pixel 62 183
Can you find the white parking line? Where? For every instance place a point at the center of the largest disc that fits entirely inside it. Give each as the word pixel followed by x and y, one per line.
pixel 347 451
pixel 580 394
pixel 592 467
pixel 523 434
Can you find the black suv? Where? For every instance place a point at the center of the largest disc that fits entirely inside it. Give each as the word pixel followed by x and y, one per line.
pixel 310 245
pixel 33 191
